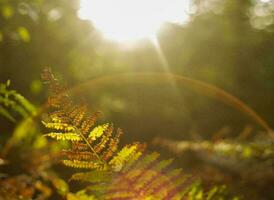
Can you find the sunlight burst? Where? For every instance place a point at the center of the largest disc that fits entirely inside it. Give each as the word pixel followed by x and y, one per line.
pixel 131 20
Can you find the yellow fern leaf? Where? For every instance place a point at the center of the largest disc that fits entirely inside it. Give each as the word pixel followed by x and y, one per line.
pixel 103 140
pixel 64 136
pixel 98 131
pixel 55 119
pixel 123 156
pixel 82 164
pixel 59 126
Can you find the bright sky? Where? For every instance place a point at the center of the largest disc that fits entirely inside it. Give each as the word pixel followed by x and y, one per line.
pixel 131 20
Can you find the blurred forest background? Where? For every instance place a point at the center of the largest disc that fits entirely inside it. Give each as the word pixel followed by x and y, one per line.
pixel 227 43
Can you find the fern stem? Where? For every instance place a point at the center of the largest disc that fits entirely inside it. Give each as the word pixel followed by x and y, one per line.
pixel 91 148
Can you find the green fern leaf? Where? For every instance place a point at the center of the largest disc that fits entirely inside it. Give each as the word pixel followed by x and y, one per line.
pixel 24 102
pixel 5 113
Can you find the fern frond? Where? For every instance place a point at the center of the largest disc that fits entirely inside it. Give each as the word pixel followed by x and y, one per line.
pixel 76 112
pixel 23 102
pixel 89 122
pixel 214 193
pixel 12 102
pixel 113 146
pixel 4 112
pixel 98 131
pixel 78 155
pixel 48 78
pixel 60 185
pixel 104 140
pixel 82 164
pixel 149 178
pixel 93 176
pixel 126 154
pixel 13 105
pixel 142 162
pixel 77 119
pixel 64 136
pixel 57 125
pixel 77 146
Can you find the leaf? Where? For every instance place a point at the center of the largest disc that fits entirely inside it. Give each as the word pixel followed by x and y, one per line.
pixel 81 164
pixel 89 122
pixel 59 126
pixel 104 141
pixel 78 155
pixel 30 108
pixel 16 102
pixel 112 146
pixel 98 131
pixel 123 156
pixel 6 114
pixel 211 193
pixel 13 105
pixel 25 131
pixel 61 186
pixel 93 176
pixel 64 136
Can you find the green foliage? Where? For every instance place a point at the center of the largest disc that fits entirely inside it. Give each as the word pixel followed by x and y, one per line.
pixel 26 151
pixel 14 106
pixel 12 103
